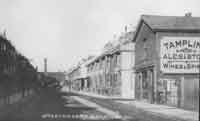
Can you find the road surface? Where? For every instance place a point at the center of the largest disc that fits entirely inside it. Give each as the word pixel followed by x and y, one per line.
pixel 52 105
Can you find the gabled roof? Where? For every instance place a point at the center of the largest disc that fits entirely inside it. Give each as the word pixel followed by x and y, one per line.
pixel 115 45
pixel 126 37
pixel 170 23
pixel 90 61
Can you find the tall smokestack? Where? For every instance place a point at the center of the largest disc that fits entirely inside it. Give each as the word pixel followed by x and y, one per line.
pixel 126 29
pixel 45 65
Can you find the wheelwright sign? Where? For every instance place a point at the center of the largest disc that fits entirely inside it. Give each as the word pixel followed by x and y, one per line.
pixel 180 54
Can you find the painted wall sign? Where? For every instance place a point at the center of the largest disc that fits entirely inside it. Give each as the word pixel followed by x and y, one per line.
pixel 180 54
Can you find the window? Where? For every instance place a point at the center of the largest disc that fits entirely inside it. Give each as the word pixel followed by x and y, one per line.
pixel 118 60
pixel 145 48
pixel 145 43
pixel 4 47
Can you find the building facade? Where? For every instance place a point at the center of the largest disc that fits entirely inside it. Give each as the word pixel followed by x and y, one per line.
pixel 74 75
pixel 111 73
pixel 167 60
pixel 17 75
pixel 77 76
pixel 59 76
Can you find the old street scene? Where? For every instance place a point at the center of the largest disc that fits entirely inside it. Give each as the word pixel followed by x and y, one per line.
pixel 99 60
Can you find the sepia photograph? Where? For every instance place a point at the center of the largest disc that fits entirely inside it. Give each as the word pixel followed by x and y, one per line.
pixel 99 60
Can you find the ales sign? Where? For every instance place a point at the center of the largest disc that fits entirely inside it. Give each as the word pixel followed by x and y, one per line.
pixel 180 54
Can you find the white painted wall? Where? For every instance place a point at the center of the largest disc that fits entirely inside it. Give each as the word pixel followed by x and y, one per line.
pixel 127 75
pixel 83 71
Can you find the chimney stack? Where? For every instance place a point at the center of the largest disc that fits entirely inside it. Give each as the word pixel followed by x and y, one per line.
pixel 189 14
pixel 45 66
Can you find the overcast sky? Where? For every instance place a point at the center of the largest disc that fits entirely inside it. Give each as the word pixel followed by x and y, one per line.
pixel 64 31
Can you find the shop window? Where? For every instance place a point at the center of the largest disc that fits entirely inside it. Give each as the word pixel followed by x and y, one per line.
pixel 168 91
pixel 172 89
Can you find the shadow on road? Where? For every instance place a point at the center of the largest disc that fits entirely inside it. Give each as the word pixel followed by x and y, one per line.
pixel 49 105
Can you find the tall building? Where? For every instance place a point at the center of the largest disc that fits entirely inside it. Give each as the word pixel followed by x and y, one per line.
pixel 111 73
pixel 167 60
pixel 17 75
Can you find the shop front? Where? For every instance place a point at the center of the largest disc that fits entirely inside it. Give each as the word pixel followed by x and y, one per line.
pixel 168 92
pixel 179 71
pixel 167 61
pixel 179 90
pixel 145 84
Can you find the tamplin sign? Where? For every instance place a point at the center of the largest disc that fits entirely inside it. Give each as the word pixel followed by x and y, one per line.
pixel 180 54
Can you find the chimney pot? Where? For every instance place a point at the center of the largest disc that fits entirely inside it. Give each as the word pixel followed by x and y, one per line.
pixel 189 14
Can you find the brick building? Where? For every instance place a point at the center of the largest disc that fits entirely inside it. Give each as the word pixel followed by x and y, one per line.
pixel 17 75
pixel 59 76
pixel 167 57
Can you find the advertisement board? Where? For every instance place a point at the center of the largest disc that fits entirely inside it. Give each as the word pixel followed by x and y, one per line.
pixel 180 54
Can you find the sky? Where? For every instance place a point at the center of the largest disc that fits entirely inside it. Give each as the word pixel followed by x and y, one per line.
pixel 64 31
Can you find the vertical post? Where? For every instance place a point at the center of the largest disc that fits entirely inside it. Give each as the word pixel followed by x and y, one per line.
pixel 141 89
pixel 155 84
pixel 198 83
pixel 151 86
pixel 45 66
pixel 133 75
pixel 181 92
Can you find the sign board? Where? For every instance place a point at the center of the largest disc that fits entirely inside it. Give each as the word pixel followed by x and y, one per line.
pixel 180 54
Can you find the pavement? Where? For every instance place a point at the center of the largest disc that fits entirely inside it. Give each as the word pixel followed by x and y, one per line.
pixel 52 105
pixel 167 112
pixel 96 95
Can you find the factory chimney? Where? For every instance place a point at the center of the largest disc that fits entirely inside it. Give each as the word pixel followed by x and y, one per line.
pixel 45 66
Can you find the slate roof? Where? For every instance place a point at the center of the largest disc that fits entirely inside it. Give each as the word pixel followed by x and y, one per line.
pixel 159 23
pixel 169 24
pixel 123 39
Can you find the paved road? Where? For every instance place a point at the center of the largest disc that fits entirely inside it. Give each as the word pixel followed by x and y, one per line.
pixel 51 105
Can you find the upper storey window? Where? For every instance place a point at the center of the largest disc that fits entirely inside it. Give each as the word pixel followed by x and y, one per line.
pixel 145 43
pixel 4 47
pixel 145 48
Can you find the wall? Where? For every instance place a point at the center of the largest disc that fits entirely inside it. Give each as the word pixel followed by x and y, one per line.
pixel 145 62
pixel 127 77
pixel 191 94
pixel 59 76
pixel 160 35
pixel 144 58
pixel 189 88
pixel 16 74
